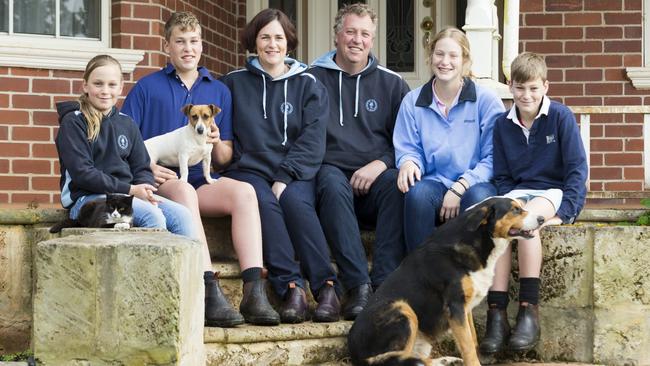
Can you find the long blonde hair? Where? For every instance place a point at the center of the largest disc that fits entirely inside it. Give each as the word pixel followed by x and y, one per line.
pixel 92 115
pixel 460 38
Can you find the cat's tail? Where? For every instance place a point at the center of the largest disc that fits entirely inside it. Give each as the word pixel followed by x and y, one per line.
pixel 68 222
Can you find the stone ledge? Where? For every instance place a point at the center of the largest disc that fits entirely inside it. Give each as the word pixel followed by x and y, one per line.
pixel 282 332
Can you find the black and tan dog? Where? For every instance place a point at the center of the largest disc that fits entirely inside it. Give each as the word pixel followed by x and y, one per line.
pixel 436 287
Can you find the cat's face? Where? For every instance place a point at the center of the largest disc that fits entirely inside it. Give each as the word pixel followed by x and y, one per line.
pixel 119 207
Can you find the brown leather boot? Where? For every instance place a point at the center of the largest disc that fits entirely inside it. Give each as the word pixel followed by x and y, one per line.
pixel 497 331
pixel 255 306
pixel 218 311
pixel 328 308
pixel 294 307
pixel 526 333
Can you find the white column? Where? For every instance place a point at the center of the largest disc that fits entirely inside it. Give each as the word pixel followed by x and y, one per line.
pixel 510 34
pixel 480 28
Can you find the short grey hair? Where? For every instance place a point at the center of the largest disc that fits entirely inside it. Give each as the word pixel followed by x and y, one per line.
pixel 358 9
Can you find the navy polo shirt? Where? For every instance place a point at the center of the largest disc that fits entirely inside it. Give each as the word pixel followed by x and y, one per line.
pixel 155 103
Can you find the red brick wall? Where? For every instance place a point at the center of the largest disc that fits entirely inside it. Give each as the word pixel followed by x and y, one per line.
pixel 587 45
pixel 29 168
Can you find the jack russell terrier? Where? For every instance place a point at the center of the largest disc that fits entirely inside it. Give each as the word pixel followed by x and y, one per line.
pixel 186 146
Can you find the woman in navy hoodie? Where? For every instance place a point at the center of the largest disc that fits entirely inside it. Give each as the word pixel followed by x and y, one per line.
pixel 279 115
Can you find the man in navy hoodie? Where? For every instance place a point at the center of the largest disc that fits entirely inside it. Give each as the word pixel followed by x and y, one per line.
pixel 357 180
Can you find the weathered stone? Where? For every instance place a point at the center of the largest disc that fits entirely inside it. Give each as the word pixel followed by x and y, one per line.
pixel 621 270
pixel 111 297
pixel 567 266
pixel 217 232
pixel 622 335
pixel 15 289
pixel 279 353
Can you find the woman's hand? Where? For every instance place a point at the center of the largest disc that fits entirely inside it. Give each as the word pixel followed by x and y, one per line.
pixel 408 174
pixel 450 206
pixel 161 174
pixel 144 192
pixel 277 188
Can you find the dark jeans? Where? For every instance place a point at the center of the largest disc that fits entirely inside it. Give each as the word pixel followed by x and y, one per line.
pixel 422 204
pixel 290 231
pixel 339 209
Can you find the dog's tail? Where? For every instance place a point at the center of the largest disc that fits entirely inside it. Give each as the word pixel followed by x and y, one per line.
pixel 64 224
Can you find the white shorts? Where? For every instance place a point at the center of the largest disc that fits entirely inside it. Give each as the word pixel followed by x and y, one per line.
pixel 554 195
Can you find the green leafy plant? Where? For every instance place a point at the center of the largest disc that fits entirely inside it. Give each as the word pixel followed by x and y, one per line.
pixel 19 356
pixel 644 219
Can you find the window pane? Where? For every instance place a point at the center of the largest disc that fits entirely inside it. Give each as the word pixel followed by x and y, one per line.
pixel 287 6
pixel 34 16
pixel 400 54
pixel 80 18
pixel 4 15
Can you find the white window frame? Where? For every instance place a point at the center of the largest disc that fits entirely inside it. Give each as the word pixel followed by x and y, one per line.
pixel 640 76
pixel 55 52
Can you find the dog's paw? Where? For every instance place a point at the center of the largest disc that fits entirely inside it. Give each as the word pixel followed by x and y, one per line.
pixel 210 180
pixel 122 226
pixel 447 361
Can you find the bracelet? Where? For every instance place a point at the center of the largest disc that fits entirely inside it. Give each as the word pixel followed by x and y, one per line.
pixel 461 183
pixel 452 190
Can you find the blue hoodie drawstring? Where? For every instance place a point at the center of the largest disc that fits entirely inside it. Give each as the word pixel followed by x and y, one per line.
pixel 286 106
pixel 356 98
pixel 264 94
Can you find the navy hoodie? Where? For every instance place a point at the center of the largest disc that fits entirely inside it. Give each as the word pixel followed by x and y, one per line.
pixel 109 164
pixel 363 109
pixel 278 124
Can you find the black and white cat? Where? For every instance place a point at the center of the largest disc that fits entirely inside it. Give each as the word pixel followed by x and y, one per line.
pixel 114 211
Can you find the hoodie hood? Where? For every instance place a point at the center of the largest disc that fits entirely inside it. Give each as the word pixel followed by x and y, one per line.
pixel 327 62
pixel 295 68
pixel 63 108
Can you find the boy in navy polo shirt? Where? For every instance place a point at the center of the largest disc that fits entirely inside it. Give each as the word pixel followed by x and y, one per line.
pixel 155 104
pixel 540 160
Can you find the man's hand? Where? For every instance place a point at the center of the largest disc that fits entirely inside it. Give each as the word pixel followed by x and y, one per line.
pixel 277 188
pixel 409 173
pixel 364 177
pixel 144 192
pixel 214 136
pixel 161 174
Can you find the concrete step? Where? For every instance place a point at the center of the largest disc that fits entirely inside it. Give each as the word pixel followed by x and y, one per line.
pixel 286 344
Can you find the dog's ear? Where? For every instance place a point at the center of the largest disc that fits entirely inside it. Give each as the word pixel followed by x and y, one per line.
pixel 214 109
pixel 187 108
pixel 478 216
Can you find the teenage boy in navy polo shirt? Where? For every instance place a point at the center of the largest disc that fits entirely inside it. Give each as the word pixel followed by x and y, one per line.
pixel 538 159
pixel 155 104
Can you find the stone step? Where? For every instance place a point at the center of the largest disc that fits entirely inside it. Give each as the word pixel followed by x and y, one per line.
pixel 308 343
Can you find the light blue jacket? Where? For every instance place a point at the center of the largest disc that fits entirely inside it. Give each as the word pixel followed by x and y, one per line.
pixel 448 148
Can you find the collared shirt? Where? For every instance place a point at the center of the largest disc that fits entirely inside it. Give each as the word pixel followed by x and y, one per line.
pixel 441 106
pixel 512 115
pixel 156 101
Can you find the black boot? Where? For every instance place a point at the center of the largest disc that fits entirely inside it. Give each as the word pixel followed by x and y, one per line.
pixel 328 308
pixel 218 311
pixel 255 306
pixel 356 300
pixel 497 331
pixel 294 307
pixel 526 333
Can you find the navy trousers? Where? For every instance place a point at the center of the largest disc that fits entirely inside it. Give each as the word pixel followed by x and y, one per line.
pixel 291 234
pixel 341 212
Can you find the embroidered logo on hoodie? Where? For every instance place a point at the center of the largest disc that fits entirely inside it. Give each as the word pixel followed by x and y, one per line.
pixel 286 107
pixel 371 105
pixel 550 139
pixel 122 142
